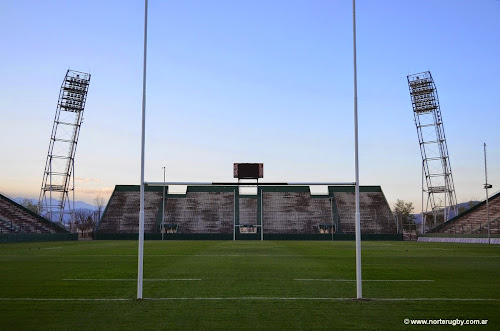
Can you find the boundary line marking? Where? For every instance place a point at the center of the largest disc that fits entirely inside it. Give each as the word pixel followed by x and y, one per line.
pixel 199 279
pixel 129 279
pixel 365 280
pixel 248 298
pixel 230 255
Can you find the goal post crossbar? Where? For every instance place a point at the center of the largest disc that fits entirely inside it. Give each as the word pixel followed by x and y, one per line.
pixel 251 184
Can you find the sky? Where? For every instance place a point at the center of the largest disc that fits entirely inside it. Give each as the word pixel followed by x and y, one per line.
pixel 250 81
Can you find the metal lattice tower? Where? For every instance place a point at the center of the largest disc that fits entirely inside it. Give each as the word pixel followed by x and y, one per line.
pixel 60 164
pixel 436 166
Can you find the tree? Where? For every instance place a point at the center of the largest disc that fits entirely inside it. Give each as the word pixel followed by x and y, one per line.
pixel 99 202
pixel 28 204
pixel 84 221
pixel 431 222
pixel 470 204
pixel 403 213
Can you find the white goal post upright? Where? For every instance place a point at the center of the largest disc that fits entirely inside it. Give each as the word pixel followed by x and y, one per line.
pixel 140 261
pixel 359 294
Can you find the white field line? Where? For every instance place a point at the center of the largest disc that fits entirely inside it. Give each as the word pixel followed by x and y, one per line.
pixel 365 280
pixel 129 279
pixel 325 299
pixel 199 279
pixel 176 255
pixel 249 299
pixel 72 256
pixel 234 255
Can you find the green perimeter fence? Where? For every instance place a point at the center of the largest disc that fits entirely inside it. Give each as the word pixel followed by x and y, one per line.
pixel 27 237
pixel 270 236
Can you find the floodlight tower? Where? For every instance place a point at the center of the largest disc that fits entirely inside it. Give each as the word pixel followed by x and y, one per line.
pixel 60 164
pixel 436 166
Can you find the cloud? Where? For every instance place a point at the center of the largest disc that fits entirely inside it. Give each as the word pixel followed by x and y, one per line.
pixel 87 180
pixel 94 191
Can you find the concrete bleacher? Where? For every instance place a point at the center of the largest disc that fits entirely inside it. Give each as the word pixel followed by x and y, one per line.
pixel 376 215
pixel 201 212
pixel 215 209
pixel 122 212
pixel 9 227
pixel 294 212
pixel 473 220
pixel 15 218
pixel 494 227
pixel 248 211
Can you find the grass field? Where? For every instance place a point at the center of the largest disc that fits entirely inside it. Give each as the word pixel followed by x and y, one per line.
pixel 245 285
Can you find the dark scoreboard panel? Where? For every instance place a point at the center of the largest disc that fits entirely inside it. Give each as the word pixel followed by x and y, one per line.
pixel 248 170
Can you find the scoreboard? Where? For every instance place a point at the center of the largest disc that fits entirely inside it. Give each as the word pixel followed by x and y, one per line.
pixel 248 170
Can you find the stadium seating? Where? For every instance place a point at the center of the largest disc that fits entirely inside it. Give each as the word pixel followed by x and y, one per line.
pixel 248 211
pixel 376 215
pixel 122 213
pixel 294 212
pixel 494 227
pixel 285 210
pixel 201 212
pixel 14 218
pixel 473 220
pixel 9 227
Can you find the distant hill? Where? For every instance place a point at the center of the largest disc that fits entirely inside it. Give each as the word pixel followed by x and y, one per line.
pixel 78 204
pixel 418 217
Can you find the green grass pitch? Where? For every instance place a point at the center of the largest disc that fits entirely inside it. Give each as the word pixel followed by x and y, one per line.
pixel 245 285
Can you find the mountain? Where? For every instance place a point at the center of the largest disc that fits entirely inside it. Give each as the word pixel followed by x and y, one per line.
pixel 67 217
pixel 78 204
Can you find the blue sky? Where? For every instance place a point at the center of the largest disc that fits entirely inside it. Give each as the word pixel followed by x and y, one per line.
pixel 250 81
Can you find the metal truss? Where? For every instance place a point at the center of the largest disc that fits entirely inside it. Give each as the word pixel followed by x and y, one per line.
pixel 436 166
pixel 60 164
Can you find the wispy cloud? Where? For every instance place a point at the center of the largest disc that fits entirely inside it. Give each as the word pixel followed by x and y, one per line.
pixel 94 191
pixel 87 180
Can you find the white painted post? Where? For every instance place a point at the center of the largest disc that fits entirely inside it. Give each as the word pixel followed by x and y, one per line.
pixel 356 161
pixel 141 212
pixel 422 210
pixel 261 214
pixel 234 213
pixel 162 226
pixel 486 188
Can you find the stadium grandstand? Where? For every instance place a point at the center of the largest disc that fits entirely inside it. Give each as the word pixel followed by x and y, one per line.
pixel 16 219
pixel 225 212
pixel 474 220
